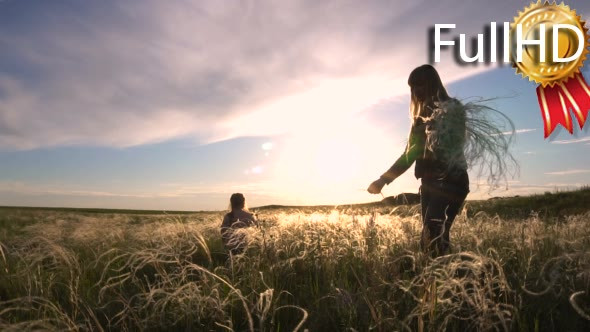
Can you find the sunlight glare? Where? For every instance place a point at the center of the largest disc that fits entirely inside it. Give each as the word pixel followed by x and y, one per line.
pixel 334 163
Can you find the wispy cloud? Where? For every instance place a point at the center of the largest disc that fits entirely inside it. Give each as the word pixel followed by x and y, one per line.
pixel 481 190
pixel 528 130
pixel 569 172
pixel 571 141
pixel 520 131
pixel 37 189
pixel 176 196
pixel 132 73
pixel 166 190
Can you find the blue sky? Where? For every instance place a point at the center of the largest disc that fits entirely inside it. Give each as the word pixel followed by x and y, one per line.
pixel 175 105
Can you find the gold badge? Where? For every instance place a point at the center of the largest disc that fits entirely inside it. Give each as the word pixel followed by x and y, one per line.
pixel 550 49
pixel 549 14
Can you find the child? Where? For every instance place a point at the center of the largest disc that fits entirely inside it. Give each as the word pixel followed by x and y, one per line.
pixel 238 217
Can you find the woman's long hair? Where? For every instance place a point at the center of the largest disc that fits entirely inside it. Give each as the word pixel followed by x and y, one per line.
pixel 426 89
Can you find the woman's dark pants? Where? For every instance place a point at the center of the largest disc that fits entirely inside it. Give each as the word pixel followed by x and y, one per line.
pixel 441 201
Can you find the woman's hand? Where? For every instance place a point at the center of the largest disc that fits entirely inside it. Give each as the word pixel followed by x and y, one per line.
pixel 376 186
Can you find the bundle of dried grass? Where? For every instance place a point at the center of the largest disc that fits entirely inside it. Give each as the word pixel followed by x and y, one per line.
pixel 472 135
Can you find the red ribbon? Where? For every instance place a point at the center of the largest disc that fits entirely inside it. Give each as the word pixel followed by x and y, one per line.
pixel 556 101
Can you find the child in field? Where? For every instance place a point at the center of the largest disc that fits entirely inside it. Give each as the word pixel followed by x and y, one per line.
pixel 238 217
pixel 446 137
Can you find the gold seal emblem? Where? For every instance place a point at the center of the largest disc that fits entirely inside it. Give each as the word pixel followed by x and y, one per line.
pixel 531 64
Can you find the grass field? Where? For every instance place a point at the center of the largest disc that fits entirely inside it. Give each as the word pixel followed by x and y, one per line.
pixel 519 264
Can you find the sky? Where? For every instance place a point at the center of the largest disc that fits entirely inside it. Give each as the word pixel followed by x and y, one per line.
pixel 174 105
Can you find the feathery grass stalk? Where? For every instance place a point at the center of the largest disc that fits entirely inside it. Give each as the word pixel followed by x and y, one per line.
pixel 473 135
pixel 355 269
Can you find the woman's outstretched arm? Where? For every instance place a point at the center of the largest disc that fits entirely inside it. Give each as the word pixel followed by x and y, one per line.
pixel 414 148
pixel 401 165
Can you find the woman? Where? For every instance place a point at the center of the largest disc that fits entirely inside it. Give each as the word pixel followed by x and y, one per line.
pixel 436 143
pixel 238 217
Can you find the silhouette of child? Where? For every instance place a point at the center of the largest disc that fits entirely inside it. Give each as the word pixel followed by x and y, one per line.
pixel 238 217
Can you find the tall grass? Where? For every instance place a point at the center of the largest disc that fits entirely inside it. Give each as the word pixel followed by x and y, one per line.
pixel 344 270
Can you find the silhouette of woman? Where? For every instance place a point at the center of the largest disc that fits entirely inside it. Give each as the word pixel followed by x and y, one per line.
pixel 437 142
pixel 238 217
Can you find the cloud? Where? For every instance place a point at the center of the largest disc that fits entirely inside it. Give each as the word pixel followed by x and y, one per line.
pixel 481 190
pixel 569 172
pixel 520 131
pixel 571 141
pixel 38 189
pixel 168 190
pixel 129 73
pixel 170 196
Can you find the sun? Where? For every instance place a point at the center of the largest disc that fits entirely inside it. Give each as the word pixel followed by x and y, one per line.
pixel 335 162
pixel 337 159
